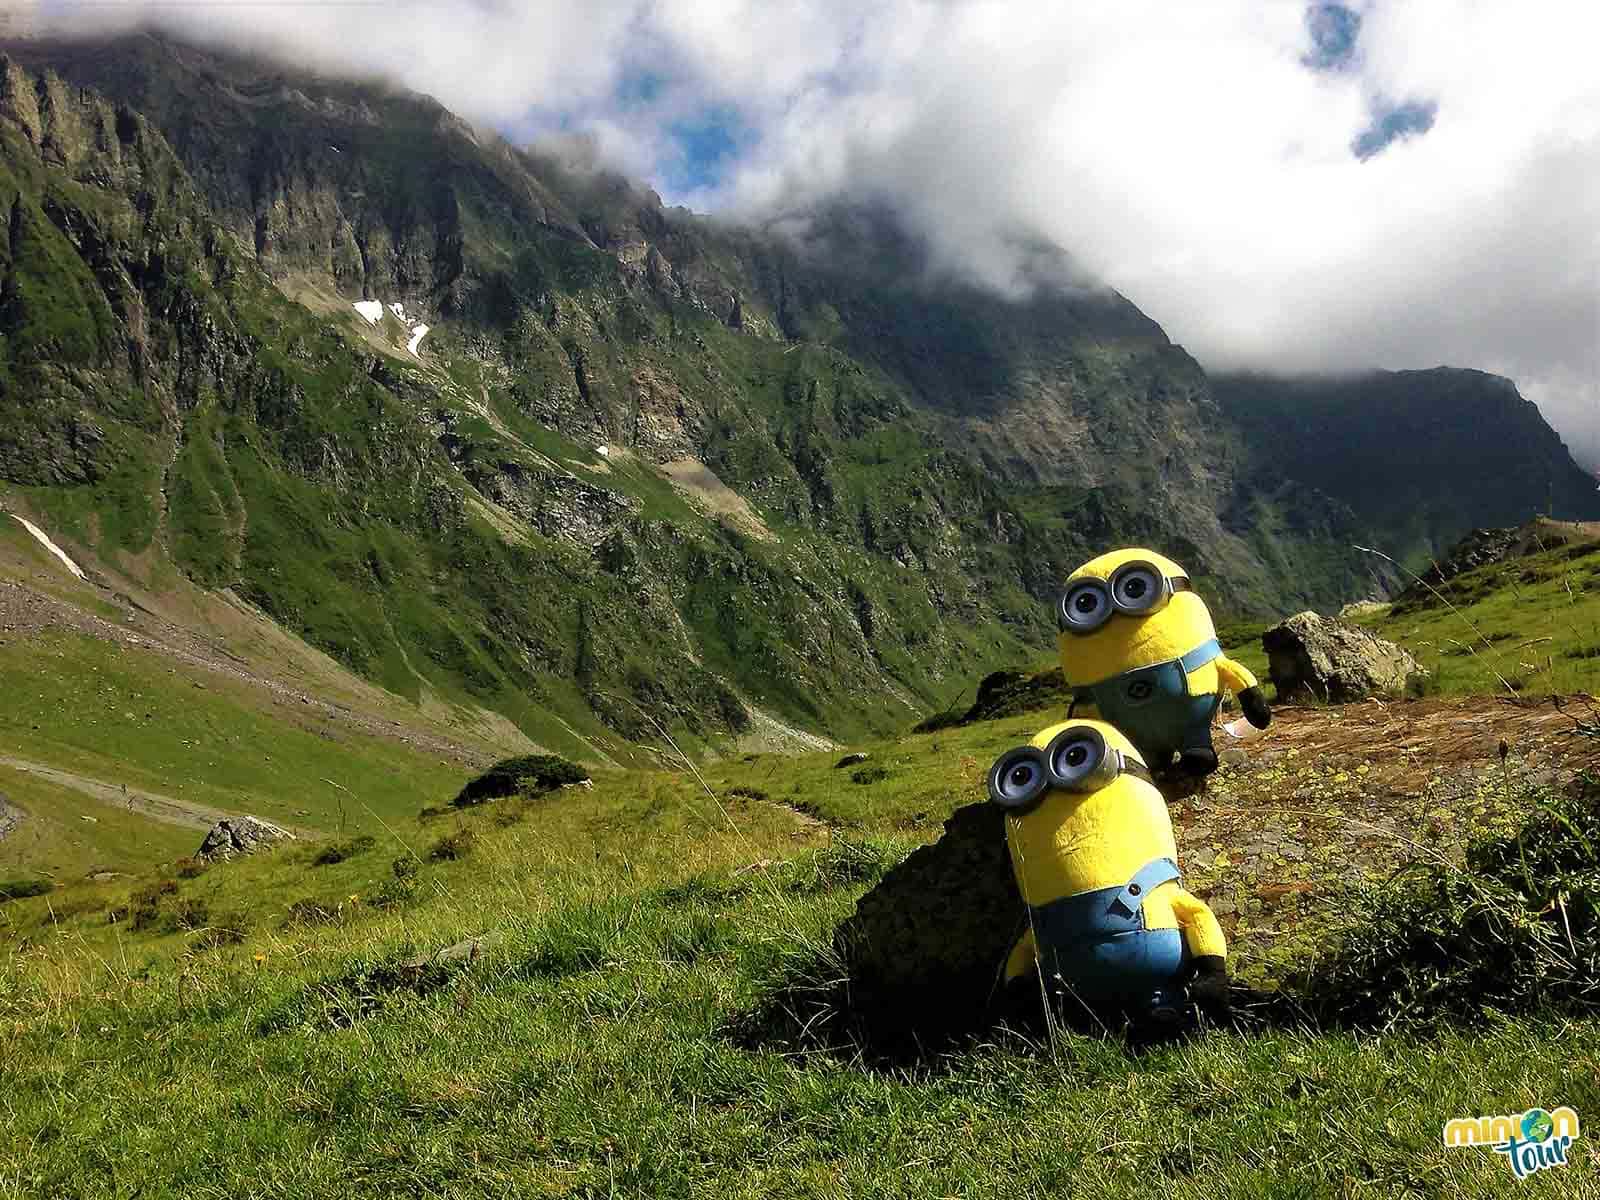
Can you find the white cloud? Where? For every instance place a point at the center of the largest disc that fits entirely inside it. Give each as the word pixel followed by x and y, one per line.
pixel 1184 153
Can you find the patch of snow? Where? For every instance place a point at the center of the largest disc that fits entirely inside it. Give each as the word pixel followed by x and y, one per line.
pixel 372 310
pixel 602 451
pixel 398 309
pixel 417 334
pixel 44 540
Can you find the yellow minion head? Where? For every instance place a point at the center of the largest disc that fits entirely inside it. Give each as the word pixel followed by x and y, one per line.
pixel 1077 793
pixel 1124 610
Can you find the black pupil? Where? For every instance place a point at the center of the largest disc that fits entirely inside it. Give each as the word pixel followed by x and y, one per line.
pixel 1021 775
pixel 1135 588
pixel 1086 602
pixel 1077 756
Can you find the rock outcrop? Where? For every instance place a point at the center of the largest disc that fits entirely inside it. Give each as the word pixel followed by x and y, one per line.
pixel 1322 658
pixel 925 947
pixel 234 836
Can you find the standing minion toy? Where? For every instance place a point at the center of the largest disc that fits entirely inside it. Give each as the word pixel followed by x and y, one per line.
pixel 1094 857
pixel 1139 650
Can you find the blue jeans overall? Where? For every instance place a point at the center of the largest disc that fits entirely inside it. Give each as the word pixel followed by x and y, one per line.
pixel 1153 708
pixel 1097 944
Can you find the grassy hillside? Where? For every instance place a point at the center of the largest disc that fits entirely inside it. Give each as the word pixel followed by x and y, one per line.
pixel 613 1031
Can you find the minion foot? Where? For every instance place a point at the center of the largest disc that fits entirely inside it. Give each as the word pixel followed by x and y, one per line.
pixel 1202 760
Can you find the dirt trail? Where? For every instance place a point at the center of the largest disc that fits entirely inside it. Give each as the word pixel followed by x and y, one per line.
pixel 149 804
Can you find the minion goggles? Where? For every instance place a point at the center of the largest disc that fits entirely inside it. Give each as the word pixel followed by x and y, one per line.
pixel 1135 589
pixel 1077 760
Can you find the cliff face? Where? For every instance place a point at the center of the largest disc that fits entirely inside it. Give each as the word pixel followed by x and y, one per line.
pixel 639 465
pixel 580 294
pixel 1420 457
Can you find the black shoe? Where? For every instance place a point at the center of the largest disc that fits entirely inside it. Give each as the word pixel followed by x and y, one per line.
pixel 1198 762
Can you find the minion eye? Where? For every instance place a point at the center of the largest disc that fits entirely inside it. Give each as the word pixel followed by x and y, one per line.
pixel 1136 589
pixel 1018 779
pixel 1085 606
pixel 1076 758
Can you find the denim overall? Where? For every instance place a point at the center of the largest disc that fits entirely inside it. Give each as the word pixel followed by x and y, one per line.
pixel 1153 708
pixel 1097 944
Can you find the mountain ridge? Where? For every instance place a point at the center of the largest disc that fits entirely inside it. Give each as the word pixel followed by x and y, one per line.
pixel 917 464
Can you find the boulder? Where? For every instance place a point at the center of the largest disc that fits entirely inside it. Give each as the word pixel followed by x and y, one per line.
pixel 924 950
pixel 1322 658
pixel 233 836
pixel 850 760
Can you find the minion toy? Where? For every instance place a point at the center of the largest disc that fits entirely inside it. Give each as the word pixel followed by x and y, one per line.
pixel 1092 850
pixel 1139 650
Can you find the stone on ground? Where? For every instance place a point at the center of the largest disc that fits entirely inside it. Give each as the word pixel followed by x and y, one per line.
pixel 233 836
pixel 925 947
pixel 1322 658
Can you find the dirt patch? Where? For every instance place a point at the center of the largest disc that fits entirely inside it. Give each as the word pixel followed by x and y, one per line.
pixel 1328 798
pixel 702 487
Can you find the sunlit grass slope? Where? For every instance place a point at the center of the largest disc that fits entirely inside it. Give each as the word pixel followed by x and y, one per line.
pixel 276 1025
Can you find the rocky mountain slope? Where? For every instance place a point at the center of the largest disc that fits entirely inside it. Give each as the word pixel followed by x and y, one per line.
pixel 1420 457
pixel 484 424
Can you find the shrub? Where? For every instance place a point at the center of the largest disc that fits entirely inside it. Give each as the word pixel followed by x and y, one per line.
pixel 144 907
pixel 866 775
pixel 337 852
pixel 531 774
pixel 191 868
pixel 405 867
pixel 21 889
pixel 1514 930
pixel 748 793
pixel 393 893
pixel 452 846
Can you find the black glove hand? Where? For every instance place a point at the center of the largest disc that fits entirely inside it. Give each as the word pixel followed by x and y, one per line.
pixel 1209 987
pixel 1254 704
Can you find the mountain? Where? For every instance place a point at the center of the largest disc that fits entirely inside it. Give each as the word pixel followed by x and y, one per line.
pixel 490 425
pixel 1420 457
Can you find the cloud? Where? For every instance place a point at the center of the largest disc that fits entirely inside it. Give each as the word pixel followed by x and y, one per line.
pixel 1283 186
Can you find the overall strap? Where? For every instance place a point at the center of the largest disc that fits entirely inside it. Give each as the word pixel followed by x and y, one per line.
pixel 1145 880
pixel 1206 651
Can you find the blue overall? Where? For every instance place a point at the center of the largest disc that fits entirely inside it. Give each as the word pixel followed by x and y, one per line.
pixel 1153 708
pixel 1097 944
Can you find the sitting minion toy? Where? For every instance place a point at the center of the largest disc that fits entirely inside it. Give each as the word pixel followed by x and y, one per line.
pixel 1139 649
pixel 1093 853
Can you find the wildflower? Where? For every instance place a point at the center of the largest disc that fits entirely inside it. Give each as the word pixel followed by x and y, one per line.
pixel 260 958
pixel 354 899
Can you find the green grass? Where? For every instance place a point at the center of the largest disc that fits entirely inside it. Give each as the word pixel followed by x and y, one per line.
pixel 1530 625
pixel 56 842
pixel 120 714
pixel 605 1039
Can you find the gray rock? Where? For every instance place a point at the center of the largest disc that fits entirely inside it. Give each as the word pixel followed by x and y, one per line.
pixel 233 836
pixel 10 817
pixel 1234 756
pixel 925 947
pixel 1322 658
pixel 850 760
